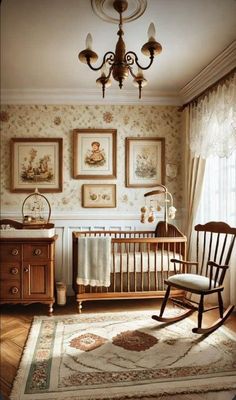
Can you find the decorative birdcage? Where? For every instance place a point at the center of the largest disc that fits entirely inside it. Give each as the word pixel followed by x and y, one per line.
pixel 36 210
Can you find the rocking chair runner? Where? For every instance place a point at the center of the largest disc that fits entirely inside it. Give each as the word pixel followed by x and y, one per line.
pixel 215 243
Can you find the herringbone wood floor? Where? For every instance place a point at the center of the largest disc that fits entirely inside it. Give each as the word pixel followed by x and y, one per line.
pixel 16 322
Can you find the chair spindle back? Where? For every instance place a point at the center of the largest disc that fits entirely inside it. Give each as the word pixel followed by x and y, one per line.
pixel 215 243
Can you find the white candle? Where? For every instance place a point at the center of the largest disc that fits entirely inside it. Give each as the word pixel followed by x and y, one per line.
pixel 89 41
pixel 151 32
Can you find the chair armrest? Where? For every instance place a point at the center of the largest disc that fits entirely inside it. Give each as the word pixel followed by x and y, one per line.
pixel 216 273
pixel 185 263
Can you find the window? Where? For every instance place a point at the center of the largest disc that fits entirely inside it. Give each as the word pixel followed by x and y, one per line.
pixel 218 200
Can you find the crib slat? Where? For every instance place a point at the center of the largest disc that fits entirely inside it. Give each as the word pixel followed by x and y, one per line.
pixel 114 266
pixel 128 281
pixel 162 272
pixel 155 269
pixel 168 260
pixel 174 250
pixel 121 268
pixel 148 252
pixel 141 271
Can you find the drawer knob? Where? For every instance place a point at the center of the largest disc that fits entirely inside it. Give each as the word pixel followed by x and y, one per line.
pixel 14 271
pixel 26 269
pixel 14 290
pixel 15 252
pixel 37 252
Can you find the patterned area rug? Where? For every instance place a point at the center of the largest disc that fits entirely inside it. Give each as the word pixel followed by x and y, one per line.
pixel 122 356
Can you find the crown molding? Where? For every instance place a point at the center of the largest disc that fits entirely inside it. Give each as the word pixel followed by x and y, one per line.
pixel 219 67
pixel 86 96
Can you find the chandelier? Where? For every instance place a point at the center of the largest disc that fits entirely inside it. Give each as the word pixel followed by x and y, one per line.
pixel 119 64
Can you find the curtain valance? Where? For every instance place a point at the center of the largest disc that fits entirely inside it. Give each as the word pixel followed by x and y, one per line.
pixel 213 122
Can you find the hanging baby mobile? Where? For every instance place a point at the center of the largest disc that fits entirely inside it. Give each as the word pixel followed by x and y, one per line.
pixel 155 201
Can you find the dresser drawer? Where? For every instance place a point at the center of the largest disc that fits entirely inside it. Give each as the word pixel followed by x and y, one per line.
pixel 10 252
pixel 36 251
pixel 10 290
pixel 10 271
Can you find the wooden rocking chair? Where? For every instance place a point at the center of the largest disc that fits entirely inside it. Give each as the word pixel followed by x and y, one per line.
pixel 215 242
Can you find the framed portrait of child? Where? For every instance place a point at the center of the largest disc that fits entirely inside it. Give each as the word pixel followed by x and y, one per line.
pixel 94 153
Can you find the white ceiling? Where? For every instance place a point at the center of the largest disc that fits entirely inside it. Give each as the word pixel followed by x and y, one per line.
pixel 40 42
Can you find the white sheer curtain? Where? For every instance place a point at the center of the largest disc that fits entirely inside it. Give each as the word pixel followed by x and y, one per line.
pixel 213 122
pixel 213 137
pixel 218 203
pixel 218 200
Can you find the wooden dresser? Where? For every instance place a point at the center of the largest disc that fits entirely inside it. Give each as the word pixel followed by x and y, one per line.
pixel 27 270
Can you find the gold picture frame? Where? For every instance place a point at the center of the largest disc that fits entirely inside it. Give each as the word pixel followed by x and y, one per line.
pixel 99 195
pixel 94 153
pixel 36 163
pixel 144 161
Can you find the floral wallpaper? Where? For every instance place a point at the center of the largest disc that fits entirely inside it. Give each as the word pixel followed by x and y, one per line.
pixel 39 121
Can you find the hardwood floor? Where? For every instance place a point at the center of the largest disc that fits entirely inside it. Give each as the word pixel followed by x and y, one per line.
pixel 16 320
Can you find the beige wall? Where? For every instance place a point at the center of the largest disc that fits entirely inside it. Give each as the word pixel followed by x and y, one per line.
pixel 59 121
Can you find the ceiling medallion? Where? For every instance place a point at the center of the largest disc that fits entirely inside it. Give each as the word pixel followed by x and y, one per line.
pixel 104 10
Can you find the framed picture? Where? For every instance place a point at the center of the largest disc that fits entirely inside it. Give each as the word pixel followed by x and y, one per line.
pixel 94 153
pixel 145 161
pixel 36 163
pixel 99 196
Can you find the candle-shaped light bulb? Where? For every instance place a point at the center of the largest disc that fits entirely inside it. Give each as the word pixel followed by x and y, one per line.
pixel 89 41
pixel 151 32
pixel 139 81
pixel 140 73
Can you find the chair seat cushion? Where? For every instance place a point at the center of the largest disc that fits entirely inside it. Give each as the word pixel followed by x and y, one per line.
pixel 192 281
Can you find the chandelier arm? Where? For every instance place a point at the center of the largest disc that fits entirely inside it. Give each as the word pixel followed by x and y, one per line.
pixel 105 59
pixel 131 71
pixel 110 71
pixel 130 60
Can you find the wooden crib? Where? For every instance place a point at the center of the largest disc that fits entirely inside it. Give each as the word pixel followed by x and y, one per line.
pixel 140 261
